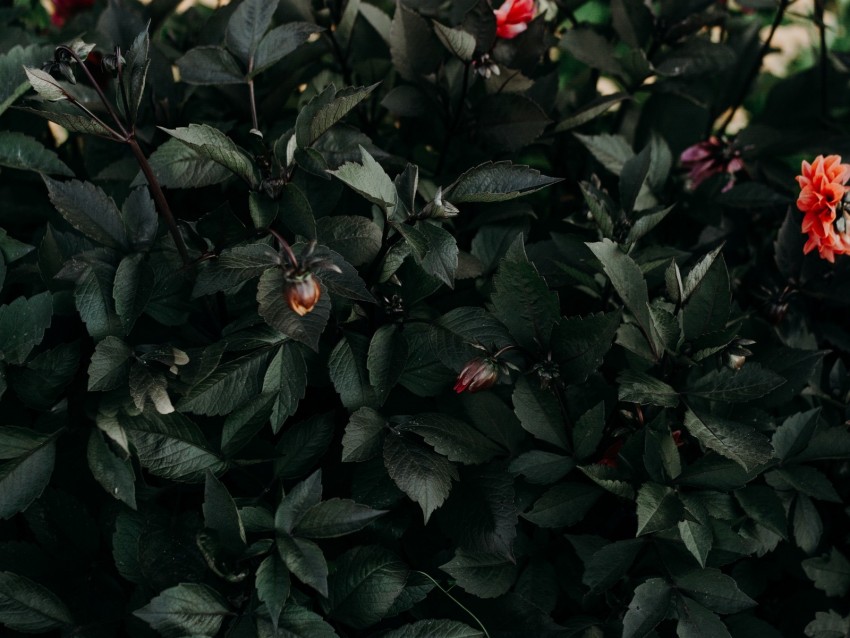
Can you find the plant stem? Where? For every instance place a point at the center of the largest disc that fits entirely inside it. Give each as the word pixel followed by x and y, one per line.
pixel 284 246
pixel 116 136
pixel 99 91
pixel 444 152
pixel 754 71
pixel 456 602
pixel 824 62
pixel 161 202
pixel 254 125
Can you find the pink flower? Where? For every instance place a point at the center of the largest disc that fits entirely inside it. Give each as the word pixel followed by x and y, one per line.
pixel 711 157
pixel 822 190
pixel 64 9
pixel 512 17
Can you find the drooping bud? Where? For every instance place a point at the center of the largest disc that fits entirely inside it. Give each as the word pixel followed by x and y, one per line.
pixel 478 374
pixel 735 355
pixel 302 293
pixel 439 208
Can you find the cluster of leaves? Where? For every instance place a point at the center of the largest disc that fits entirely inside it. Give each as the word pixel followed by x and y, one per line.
pixel 183 454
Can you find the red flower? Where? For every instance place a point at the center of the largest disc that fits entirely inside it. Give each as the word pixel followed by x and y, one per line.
pixel 64 9
pixel 711 157
pixel 677 438
pixel 302 293
pixel 478 374
pixel 609 456
pixel 512 17
pixel 822 189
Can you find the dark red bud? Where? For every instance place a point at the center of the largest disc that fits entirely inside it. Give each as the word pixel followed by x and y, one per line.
pixel 478 374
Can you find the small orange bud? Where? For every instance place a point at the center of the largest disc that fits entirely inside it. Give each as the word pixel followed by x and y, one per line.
pixel 302 293
pixel 478 374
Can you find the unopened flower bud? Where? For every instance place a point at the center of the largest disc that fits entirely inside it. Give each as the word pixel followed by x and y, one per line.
pixel 478 374
pixel 439 208
pixel 302 293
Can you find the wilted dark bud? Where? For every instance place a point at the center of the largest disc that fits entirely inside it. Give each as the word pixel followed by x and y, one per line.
pixel 113 61
pixel 302 293
pixel 478 374
pixel 439 208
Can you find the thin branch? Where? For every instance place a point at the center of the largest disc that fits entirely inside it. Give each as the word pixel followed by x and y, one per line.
pixel 116 136
pixel 754 71
pixel 441 162
pixel 254 125
pixel 161 202
pixel 824 60
pixel 456 602
pixel 99 91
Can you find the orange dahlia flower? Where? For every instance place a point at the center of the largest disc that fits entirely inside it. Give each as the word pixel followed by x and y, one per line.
pixel 822 190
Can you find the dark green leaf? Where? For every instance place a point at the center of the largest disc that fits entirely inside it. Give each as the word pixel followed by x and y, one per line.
pixel 830 574
pixel 305 561
pixel 580 343
pixel 212 143
pixel 246 27
pixel 348 371
pixel 286 380
pixel 134 281
pixel 221 515
pixel 697 539
pixel 88 209
pixel 794 434
pixel 715 590
pixel 363 435
pixel 539 412
pixel 335 517
pixel 176 165
pixel 425 476
pixel 608 564
pixel 708 306
pixel 496 182
pixel 649 607
pixel 658 508
pixel 28 154
pixel 736 386
pixel 386 360
pixel 22 326
pixel 272 585
pixel 366 582
pixel 628 281
pixel 452 438
pixel 187 609
pixel 210 65
pixel 695 621
pixel 29 607
pixel 109 364
pixel 115 474
pixel 641 388
pixel 435 629
pixel 522 300
pixel 280 42
pixel 481 574
pixel 325 110
pixel 736 441
pixel 171 446
pixel 228 387
pixel 762 505
pixel 540 467
pixel 27 470
pixel 563 505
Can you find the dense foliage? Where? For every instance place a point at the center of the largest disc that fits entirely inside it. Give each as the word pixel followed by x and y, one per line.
pixel 434 319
